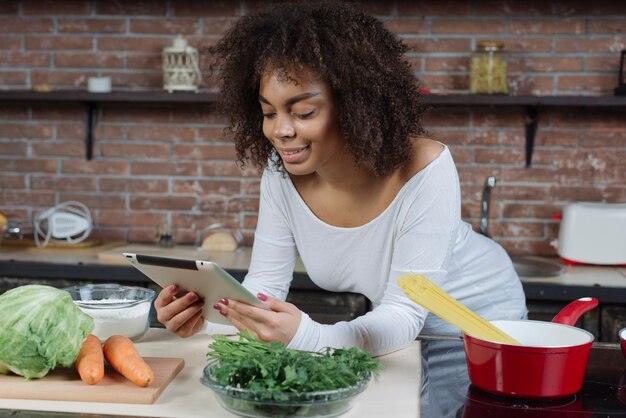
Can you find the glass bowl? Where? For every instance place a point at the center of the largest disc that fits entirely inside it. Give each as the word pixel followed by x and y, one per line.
pixel 251 403
pixel 115 309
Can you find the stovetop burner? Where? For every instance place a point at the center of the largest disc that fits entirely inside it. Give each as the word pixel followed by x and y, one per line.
pixel 603 394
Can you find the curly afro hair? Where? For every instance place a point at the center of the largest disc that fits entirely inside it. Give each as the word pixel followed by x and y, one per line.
pixel 377 94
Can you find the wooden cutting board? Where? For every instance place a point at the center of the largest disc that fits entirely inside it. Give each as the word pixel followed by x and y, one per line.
pixel 64 384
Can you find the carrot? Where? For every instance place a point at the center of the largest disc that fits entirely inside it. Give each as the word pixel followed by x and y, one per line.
pixel 90 360
pixel 123 356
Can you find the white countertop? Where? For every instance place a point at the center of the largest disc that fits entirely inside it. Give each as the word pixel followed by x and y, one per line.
pixel 185 396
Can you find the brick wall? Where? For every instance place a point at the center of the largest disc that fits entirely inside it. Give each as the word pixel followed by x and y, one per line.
pixel 155 164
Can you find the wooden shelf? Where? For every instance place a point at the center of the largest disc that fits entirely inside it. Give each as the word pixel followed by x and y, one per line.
pixel 530 103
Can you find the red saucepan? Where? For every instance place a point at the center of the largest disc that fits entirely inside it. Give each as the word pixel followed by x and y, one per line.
pixel 550 363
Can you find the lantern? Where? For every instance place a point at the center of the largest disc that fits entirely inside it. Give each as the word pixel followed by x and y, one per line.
pixel 180 67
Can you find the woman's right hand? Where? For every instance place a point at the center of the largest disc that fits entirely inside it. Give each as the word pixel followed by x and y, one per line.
pixel 180 315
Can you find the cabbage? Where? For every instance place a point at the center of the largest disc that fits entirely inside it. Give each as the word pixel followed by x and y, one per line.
pixel 41 328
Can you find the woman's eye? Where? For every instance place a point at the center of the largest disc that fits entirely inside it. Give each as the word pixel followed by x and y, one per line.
pixel 268 115
pixel 303 115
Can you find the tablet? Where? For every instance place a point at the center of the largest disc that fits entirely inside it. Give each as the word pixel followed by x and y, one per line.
pixel 205 278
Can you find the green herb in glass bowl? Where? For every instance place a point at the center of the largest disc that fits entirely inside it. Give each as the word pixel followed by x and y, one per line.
pixel 257 379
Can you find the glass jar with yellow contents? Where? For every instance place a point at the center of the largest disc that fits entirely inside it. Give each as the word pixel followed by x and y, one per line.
pixel 488 69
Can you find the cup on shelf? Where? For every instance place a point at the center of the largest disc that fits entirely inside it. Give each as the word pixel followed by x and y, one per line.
pixel 99 84
pixel 622 340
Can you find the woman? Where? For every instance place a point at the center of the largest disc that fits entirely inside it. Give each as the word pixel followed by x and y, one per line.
pixel 319 96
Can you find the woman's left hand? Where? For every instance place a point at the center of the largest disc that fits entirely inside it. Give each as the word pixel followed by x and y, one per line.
pixel 279 323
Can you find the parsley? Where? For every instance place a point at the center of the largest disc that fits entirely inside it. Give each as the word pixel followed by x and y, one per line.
pixel 272 367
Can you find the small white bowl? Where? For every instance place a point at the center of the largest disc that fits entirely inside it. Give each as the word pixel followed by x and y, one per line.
pixel 115 309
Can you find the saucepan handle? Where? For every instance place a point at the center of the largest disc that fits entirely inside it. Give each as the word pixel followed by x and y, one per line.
pixel 573 310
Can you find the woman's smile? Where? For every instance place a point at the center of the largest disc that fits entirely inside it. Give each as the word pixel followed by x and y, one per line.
pixel 294 154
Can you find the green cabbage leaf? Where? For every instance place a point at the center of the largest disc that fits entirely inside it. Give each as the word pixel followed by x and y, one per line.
pixel 41 328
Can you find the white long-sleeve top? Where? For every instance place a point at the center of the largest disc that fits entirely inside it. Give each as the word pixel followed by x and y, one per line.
pixel 421 231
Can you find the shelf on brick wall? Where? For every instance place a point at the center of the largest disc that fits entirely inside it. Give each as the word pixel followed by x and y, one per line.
pixel 530 103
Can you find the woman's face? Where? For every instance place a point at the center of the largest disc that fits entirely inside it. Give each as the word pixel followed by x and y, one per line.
pixel 300 119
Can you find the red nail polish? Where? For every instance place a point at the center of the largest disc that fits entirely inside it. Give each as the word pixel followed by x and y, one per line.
pixel 222 313
pixel 191 297
pixel 262 297
pixel 224 301
pixel 216 307
pixel 173 288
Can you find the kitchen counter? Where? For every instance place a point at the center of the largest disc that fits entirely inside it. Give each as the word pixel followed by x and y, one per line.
pixel 185 396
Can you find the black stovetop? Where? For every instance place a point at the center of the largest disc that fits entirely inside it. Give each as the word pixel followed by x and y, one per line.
pixel 603 394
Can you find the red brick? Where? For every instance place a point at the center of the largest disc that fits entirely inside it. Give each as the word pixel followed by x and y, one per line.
pixel 74 131
pixel 61 78
pixel 527 45
pixel 203 220
pixel 605 64
pixel 586 45
pixel 150 80
pixel 25 59
pixel 63 183
pixel 415 62
pixel 94 167
pixel 141 44
pixel 250 222
pixel 251 186
pixel 58 43
pixel 463 26
pixel 615 25
pixel 26 25
pixel 10 42
pixel 11 181
pixel 131 151
pixel 68 25
pixel 152 61
pixel 587 83
pixel 212 8
pixel 407 26
pixel 445 82
pixel 611 194
pixel 119 185
pixel 217 25
pixel 522 84
pixel 58 148
pixel 591 120
pixel 547 26
pixel 545 64
pixel 109 234
pixel 203 152
pixel 96 201
pixel 499 156
pixel 527 246
pixel 30 165
pixel 499 118
pixel 136 7
pixel 224 188
pixel 447 64
pixel 137 114
pixel 132 217
pixel 476 174
pixel 225 168
pixel 446 117
pixel 198 114
pixel 604 139
pixel 9 7
pixel 59 7
pixel 165 169
pixel 211 134
pixel 462 155
pixel 529 175
pixel 14 78
pixel 18 198
pixel 586 8
pixel 513 8
pixel 573 194
pixel 13 112
pixel 437 44
pixel 164 132
pixel 25 130
pixel 530 209
pixel 465 137
pixel 434 8
pixel 13 148
pixel 183 26
pixel 142 201
pixel 63 112
pixel 93 60
pixel 108 131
